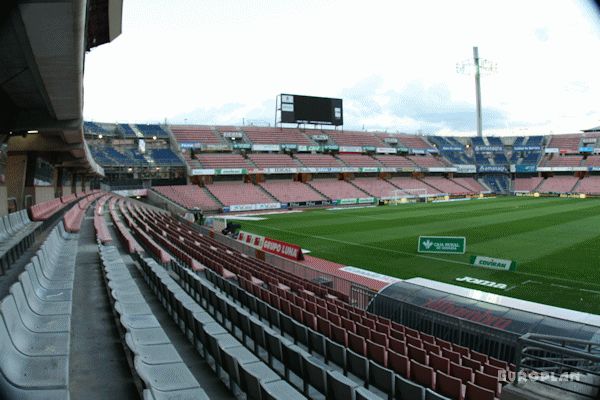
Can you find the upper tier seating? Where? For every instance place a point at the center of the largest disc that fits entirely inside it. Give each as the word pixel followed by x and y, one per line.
pixel 151 130
pixel 445 185
pixel 589 185
pixel 414 142
pixel 411 184
pixel 289 191
pixel 195 134
pixel 262 160
pixel 394 161
pixel 427 161
pixel 262 135
pixel 221 160
pixel 358 160
pixel 558 184
pixel 318 160
pixel 189 196
pixel 565 142
pixel 526 184
pixel 355 139
pixel 336 189
pixel 563 161
pixel 236 193
pixel 375 187
pixel 164 157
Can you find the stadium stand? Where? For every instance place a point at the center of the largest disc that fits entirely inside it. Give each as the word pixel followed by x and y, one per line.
pixel 589 185
pixel 569 143
pixel 336 189
pixel 427 161
pixel 355 139
pixel 262 160
pixel 289 191
pixel 562 161
pixel 152 130
pixel 526 184
pixel 558 184
pixel 414 186
pixel 413 142
pixel 593 161
pixel 358 160
pixel 236 193
pixel 318 160
pixel 195 134
pixel 445 185
pixel 375 187
pixel 264 135
pixel 209 160
pixel 189 196
pixel 470 184
pixel 394 161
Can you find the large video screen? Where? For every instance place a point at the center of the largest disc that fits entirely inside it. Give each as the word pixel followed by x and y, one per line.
pixel 311 110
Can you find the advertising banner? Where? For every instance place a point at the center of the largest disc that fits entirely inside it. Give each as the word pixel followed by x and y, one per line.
pixel 283 249
pixel 493 263
pixel 442 244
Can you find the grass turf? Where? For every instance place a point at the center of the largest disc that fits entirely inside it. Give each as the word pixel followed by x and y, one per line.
pixel 555 242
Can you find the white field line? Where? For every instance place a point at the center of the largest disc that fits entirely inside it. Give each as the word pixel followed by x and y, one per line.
pixel 418 255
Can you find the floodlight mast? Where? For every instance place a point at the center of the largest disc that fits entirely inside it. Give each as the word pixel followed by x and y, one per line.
pixel 477 66
pixel 477 90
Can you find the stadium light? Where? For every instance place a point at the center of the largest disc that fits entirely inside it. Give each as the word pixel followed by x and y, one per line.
pixel 153 137
pixel 476 67
pixel 100 136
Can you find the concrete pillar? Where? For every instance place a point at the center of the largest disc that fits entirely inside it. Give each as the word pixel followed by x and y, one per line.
pixel 77 183
pixel 16 168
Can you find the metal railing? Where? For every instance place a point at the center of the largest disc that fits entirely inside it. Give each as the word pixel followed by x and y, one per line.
pixel 567 364
pixel 495 342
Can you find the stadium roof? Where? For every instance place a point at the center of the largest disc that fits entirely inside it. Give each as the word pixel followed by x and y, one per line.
pixel 596 129
pixel 42 51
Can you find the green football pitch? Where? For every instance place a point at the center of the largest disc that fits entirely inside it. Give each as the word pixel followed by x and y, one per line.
pixel 555 242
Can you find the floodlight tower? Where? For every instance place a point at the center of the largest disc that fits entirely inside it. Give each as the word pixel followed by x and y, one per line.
pixel 476 67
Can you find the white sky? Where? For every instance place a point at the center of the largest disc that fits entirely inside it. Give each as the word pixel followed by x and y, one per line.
pixel 392 62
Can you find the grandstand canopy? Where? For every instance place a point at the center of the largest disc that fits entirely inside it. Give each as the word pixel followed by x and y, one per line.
pixel 42 50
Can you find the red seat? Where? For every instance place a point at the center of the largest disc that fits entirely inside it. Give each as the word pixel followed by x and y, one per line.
pixel 379 338
pixel 497 363
pixel 339 335
pixel 417 354
pixel 443 344
pixel 474 365
pixel 397 345
pixel 411 332
pixel 449 386
pixel 475 392
pixel 465 374
pixel 348 325
pixel 399 363
pixel 451 355
pixel 357 343
pixel 432 348
pixel 482 358
pixel 426 338
pixel 414 341
pixel 422 374
pixel 397 334
pixel 363 330
pixel 460 349
pixel 489 382
pixel 377 353
pixel 439 363
pixel 323 326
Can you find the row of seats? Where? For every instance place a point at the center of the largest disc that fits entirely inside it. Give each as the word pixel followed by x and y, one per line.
pixel 100 226
pixel 35 327
pixel 125 237
pixel 74 216
pixel 232 362
pixel 155 360
pixel 43 211
pixel 17 233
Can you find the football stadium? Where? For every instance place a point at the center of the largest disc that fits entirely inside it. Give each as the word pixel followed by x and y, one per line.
pixel 305 258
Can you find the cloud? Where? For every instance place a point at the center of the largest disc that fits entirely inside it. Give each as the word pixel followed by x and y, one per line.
pixel 427 108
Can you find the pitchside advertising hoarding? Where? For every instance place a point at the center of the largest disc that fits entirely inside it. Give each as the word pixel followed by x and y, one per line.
pixel 442 244
pixel 273 246
pixel 494 263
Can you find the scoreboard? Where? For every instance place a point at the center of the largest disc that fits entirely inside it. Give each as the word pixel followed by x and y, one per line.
pixel 311 110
